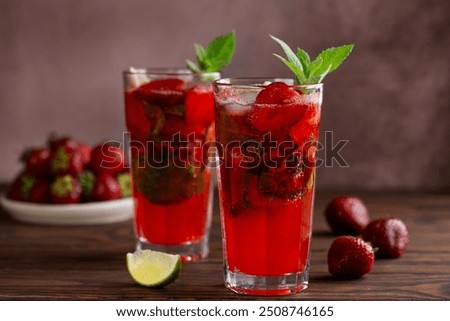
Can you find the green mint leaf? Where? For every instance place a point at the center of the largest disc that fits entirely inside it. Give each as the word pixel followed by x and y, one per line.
pixel 200 52
pixel 216 55
pixel 318 70
pixel 304 59
pixel 313 72
pixel 335 56
pixel 290 55
pixel 220 51
pixel 299 75
pixel 192 66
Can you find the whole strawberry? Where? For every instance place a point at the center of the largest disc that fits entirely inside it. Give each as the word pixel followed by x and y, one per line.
pixel 347 215
pixel 66 190
pixel 389 235
pixel 55 142
pixel 350 257
pixel 29 188
pixel 107 158
pixel 106 188
pixel 71 145
pixel 37 161
pixel 67 161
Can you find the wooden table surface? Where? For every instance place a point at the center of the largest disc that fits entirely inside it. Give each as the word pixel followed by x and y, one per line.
pixel 88 263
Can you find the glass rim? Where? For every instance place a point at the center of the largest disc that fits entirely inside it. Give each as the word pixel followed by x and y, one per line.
pixel 169 71
pixel 258 82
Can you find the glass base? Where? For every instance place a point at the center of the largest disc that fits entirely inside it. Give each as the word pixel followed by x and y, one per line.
pixel 189 251
pixel 266 285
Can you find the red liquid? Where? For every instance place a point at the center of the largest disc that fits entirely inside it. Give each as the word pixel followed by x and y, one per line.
pixel 172 224
pixel 170 120
pixel 267 207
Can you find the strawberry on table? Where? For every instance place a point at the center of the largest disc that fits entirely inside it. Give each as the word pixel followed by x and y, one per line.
pixel 107 158
pixel 389 235
pixel 350 257
pixel 347 215
pixel 66 190
pixel 106 188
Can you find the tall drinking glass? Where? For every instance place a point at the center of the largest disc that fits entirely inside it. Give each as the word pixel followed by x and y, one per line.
pixel 267 132
pixel 170 119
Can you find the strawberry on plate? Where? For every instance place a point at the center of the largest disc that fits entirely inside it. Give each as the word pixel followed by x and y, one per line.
pixel 29 188
pixel 107 158
pixel 347 215
pixel 67 161
pixel 37 161
pixel 389 235
pixel 106 188
pixel 350 257
pixel 71 145
pixel 65 190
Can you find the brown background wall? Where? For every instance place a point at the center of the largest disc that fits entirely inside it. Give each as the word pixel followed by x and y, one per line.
pixel 60 65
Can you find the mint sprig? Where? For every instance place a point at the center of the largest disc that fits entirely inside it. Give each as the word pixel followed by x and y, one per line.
pixel 215 56
pixel 312 72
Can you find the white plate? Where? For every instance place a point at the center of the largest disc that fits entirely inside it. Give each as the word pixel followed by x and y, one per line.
pixel 70 214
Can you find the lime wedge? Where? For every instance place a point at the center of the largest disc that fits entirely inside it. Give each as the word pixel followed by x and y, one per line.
pixel 152 268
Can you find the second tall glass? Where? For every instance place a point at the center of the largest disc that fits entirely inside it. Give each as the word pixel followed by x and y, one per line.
pixel 267 130
pixel 170 119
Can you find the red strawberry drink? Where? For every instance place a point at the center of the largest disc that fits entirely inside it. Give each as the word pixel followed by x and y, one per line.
pixel 170 116
pixel 268 132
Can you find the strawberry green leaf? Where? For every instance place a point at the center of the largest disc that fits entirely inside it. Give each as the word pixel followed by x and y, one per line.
pixel 87 179
pixel 27 184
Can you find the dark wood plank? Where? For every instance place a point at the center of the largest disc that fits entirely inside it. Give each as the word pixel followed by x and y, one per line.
pixel 88 263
